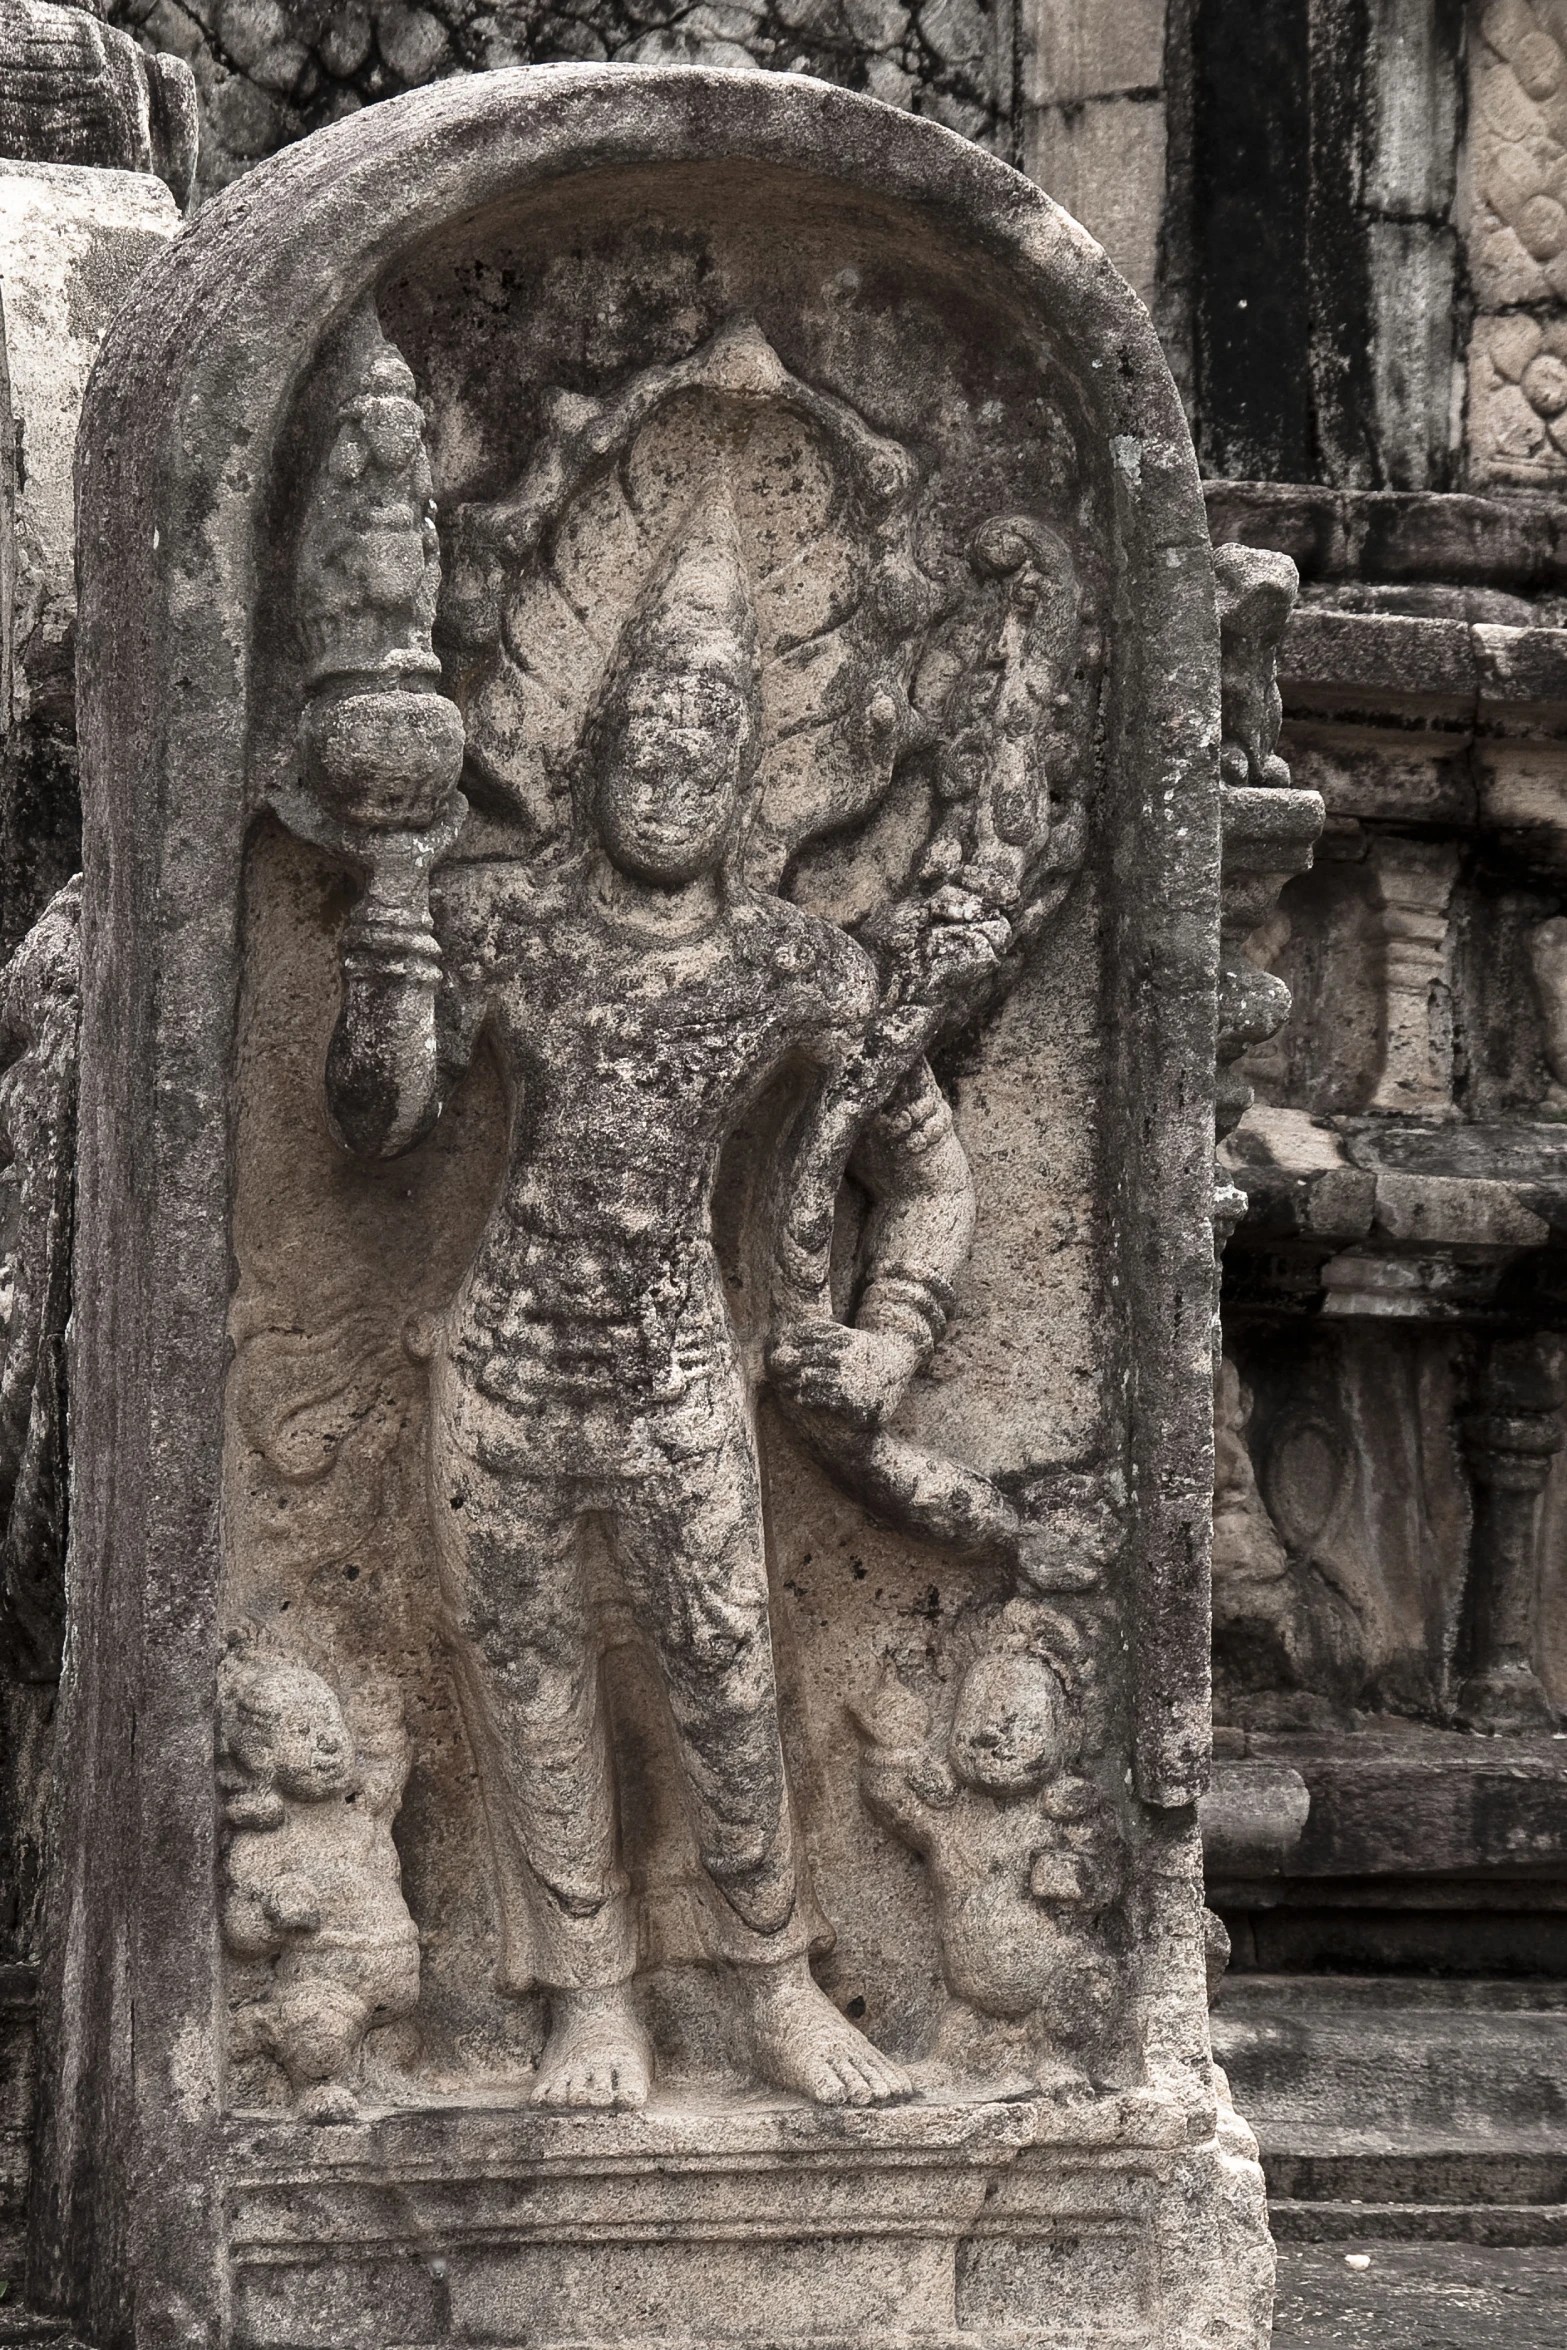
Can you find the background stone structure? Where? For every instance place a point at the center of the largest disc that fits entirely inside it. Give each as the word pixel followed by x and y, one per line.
pixel 1350 220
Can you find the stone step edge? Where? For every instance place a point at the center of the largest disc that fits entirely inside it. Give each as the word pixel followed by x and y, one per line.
pixel 1321 2142
pixel 1495 2224
pixel 1459 1996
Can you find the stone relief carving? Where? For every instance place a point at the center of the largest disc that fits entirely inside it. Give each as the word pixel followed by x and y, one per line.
pixel 1288 1650
pixel 983 1777
pixel 1517 241
pixel 682 1171
pixel 695 651
pixel 1269 828
pixel 40 1011
pixel 1548 968
pixel 1510 1438
pixel 312 1905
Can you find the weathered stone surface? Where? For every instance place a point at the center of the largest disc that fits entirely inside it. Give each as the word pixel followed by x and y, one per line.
pixel 40 1007
pixel 644 757
pixel 72 244
pixel 1410 2291
pixel 1309 255
pixel 1104 159
pixel 268 71
pixel 73 90
pixel 1405 2110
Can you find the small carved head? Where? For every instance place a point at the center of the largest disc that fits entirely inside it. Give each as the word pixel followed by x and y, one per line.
pixel 1011 1727
pixel 281 1729
pixel 671 748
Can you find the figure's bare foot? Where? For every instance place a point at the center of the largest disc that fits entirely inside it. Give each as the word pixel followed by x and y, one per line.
pixel 801 2042
pixel 327 2101
pixel 1063 2083
pixel 597 2054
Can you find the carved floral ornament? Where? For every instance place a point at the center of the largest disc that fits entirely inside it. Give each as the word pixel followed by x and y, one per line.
pixel 1517 240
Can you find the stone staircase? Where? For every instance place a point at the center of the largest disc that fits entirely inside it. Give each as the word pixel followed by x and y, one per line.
pixel 1401 2108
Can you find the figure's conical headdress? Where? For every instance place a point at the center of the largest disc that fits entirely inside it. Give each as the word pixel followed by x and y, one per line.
pixel 697 610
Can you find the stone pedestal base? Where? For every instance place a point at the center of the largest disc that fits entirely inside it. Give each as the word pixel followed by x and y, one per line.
pixel 931 2225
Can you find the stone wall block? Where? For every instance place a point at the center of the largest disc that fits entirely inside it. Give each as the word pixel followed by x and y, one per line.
pixel 1414 275
pixel 1103 160
pixel 1415 95
pixel 1082 50
pixel 267 72
pixel 75 91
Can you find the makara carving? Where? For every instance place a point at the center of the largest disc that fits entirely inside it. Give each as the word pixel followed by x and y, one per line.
pixel 755 811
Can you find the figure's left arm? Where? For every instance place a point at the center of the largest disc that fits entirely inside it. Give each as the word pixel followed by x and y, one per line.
pixel 910 1160
pixel 1081 1864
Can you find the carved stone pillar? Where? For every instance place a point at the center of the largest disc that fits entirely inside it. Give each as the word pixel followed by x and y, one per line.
pixel 1548 969
pixel 1509 1443
pixel 1416 879
pixel 1269 829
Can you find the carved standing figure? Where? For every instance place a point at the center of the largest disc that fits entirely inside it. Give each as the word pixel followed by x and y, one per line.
pixel 625 961
pixel 639 998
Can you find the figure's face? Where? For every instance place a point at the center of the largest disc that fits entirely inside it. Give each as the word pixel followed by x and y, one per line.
pixel 305 1748
pixel 671 779
pixel 1009 1729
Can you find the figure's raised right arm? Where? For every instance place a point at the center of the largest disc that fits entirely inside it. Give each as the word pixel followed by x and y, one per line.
pixel 407 1022
pixel 382 1066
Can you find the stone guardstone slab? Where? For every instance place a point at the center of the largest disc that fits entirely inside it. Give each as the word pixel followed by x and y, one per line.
pixel 638 1673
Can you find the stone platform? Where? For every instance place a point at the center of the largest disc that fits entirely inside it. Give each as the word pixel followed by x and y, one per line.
pixel 937 2226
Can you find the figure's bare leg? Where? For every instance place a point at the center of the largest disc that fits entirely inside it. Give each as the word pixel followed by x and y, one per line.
pixel 597 2054
pixel 800 2041
pixel 691 1546
pixel 526 1665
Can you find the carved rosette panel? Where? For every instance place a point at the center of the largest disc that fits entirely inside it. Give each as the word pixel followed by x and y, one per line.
pixel 1517 242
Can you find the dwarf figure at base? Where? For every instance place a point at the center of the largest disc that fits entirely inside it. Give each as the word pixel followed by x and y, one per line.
pixel 311 1880
pixel 1024 1856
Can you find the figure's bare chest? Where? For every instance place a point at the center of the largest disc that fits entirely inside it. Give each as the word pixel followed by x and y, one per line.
pixel 672 1044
